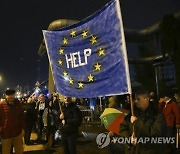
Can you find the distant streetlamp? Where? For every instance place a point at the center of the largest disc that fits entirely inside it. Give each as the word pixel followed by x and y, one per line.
pixel 0 78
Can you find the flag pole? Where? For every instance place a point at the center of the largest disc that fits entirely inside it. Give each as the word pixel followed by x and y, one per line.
pixel 60 107
pixel 100 104
pixel 126 59
pixel 132 105
pixel 132 113
pixel 177 138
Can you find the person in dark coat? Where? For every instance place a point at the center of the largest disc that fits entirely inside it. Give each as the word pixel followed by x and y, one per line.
pixel 30 118
pixel 71 119
pixel 52 120
pixel 55 104
pixel 148 122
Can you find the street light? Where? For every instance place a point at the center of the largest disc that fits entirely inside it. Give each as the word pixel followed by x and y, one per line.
pixel 0 78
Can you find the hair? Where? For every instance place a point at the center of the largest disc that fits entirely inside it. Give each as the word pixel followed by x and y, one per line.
pixel 10 92
pixel 29 100
pixel 113 103
pixel 144 94
pixel 41 94
pixel 166 93
pixel 69 99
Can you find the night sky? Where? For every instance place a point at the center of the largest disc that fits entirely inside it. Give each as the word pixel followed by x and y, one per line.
pixel 22 22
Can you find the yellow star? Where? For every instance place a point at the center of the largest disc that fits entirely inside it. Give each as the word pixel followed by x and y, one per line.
pixel 73 33
pixel 90 78
pixel 65 41
pixel 101 52
pixel 60 62
pixel 84 34
pixel 65 73
pixel 93 40
pixel 71 81
pixel 80 85
pixel 97 67
pixel 61 51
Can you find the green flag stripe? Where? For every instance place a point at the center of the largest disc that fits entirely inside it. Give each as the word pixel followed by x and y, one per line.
pixel 108 119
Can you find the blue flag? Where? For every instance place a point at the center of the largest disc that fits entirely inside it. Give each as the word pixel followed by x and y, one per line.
pixel 89 59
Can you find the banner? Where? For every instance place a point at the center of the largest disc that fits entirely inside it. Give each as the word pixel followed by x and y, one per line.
pixel 89 59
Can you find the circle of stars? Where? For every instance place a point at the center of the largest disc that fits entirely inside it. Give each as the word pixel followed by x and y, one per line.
pixel 93 40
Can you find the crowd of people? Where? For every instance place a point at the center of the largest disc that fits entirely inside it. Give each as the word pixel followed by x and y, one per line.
pixel 152 118
pixel 18 118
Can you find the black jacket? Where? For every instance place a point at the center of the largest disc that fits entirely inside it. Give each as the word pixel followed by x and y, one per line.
pixel 150 123
pixel 56 106
pixel 30 113
pixel 73 119
pixel 52 117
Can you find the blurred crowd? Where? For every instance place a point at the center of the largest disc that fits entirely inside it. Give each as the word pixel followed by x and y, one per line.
pixel 41 115
pixel 47 116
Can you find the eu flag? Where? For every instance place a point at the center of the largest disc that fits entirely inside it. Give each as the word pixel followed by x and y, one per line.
pixel 89 59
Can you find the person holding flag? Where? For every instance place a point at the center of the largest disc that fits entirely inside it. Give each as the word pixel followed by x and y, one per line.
pixel 71 119
pixel 147 121
pixel 89 59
